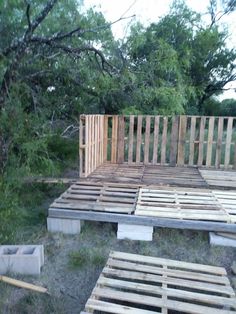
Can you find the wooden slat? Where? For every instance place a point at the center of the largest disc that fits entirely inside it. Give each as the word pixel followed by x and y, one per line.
pixel 81 147
pixel 155 140
pixel 105 140
pixel 174 140
pixel 201 141
pixel 181 142
pixel 191 141
pixel 219 142
pixel 131 139
pixel 121 140
pixel 139 139
pixel 228 142
pixel 147 140
pixel 114 138
pixel 164 141
pixel 209 141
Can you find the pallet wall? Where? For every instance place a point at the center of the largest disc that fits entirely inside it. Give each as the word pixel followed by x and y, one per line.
pixel 159 140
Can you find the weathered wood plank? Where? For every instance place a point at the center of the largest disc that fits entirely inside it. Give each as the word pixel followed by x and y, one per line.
pixel 114 139
pixel 131 139
pixel 147 140
pixel 139 139
pixel 174 140
pixel 201 141
pixel 209 141
pixel 121 140
pixel 191 141
pixel 219 142
pixel 164 140
pixel 155 140
pixel 181 141
pixel 228 142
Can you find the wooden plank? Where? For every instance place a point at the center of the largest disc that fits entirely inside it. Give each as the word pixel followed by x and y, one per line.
pixel 228 142
pixel 164 140
pixel 86 146
pixel 169 292
pixel 114 139
pixel 81 146
pixel 139 139
pixel 108 307
pixel 155 302
pixel 174 140
pixel 201 141
pixel 155 140
pixel 147 140
pixel 181 141
pixel 142 220
pixel 105 139
pixel 121 140
pixel 209 141
pixel 219 142
pixel 192 140
pixel 22 284
pixel 131 139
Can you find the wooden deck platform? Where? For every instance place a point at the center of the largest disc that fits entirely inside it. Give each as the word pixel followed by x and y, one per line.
pixel 219 178
pixel 137 284
pixel 175 207
pixel 148 175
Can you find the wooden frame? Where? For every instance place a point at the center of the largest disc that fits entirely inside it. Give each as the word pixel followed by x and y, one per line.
pixel 195 141
pixel 137 284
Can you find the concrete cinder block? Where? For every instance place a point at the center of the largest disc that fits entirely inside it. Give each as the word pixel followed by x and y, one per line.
pixel 134 232
pixel 67 226
pixel 216 239
pixel 22 259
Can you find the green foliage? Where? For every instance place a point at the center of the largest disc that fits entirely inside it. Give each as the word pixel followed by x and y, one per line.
pixel 85 257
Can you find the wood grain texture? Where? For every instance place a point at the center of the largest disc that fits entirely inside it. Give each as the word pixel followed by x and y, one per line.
pixel 157 285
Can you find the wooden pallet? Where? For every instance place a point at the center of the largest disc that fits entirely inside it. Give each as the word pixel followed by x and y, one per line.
pixel 228 201
pixel 149 175
pixel 219 178
pixel 180 204
pixel 137 284
pixel 92 196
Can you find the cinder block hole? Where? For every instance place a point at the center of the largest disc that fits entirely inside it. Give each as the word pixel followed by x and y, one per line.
pixel 10 251
pixel 29 250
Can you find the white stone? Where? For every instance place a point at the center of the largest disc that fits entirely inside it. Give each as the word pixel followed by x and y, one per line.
pixel 67 226
pixel 134 232
pixel 216 239
pixel 22 259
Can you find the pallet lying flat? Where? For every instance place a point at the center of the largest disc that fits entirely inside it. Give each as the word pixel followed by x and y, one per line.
pixel 180 204
pixel 137 284
pixel 149 175
pixel 98 197
pixel 228 202
pixel 219 178
pixel 173 207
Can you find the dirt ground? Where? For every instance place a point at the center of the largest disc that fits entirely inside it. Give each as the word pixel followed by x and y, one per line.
pixel 70 283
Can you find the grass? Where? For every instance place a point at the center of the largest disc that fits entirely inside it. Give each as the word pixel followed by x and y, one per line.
pixel 85 257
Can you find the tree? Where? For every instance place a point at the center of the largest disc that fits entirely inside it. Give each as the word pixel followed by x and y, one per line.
pixel 180 60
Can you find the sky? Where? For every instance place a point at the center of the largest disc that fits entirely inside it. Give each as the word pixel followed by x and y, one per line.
pixel 148 11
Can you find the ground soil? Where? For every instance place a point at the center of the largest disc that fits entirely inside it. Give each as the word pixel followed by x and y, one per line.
pixel 70 286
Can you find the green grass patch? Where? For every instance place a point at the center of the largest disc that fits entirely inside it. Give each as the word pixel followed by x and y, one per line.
pixel 86 257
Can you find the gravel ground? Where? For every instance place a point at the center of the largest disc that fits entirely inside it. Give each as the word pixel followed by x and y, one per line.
pixel 70 285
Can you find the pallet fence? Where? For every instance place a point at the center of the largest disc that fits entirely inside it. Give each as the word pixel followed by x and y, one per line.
pixel 200 141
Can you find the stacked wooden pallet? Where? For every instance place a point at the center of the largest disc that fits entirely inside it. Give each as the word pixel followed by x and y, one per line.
pixel 228 202
pixel 138 284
